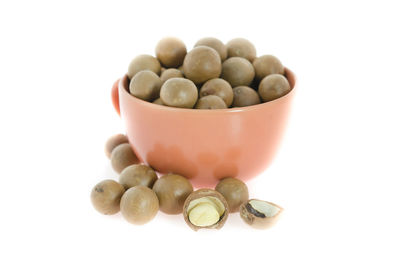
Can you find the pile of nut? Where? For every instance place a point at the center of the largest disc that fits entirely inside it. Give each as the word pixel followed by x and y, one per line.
pixel 210 76
pixel 139 194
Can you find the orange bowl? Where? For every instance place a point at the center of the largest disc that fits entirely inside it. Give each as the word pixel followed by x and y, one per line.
pixel 204 145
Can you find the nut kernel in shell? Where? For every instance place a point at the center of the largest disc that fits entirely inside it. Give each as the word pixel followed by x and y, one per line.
pixel 260 214
pixel 201 207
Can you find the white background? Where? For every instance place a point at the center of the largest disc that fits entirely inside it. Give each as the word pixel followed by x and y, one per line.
pixel 336 174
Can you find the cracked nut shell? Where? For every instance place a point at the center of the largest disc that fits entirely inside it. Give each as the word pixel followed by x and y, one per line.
pixel 260 214
pixel 202 196
pixel 106 196
pixel 234 191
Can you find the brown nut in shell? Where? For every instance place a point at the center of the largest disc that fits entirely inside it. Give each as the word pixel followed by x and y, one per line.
pixel 170 73
pixel 205 208
pixel 266 65
pixel 238 71
pixel 106 196
pixel 179 92
pixel 123 156
pixel 240 47
pixel 210 102
pixel 136 175
pixel 218 87
pixel 245 96
pixel 143 62
pixel 158 102
pixel 201 64
pixel 113 142
pixel 172 191
pixel 171 52
pixel 260 214
pixel 273 86
pixel 139 205
pixel 145 85
pixel 234 191
pixel 216 44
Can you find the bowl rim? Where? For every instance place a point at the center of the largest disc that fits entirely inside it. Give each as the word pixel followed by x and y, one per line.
pixel 122 88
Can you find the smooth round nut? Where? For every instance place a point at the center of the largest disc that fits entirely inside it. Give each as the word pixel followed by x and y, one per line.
pixel 240 47
pixel 218 87
pixel 158 102
pixel 113 142
pixel 123 156
pixel 273 86
pixel 238 71
pixel 202 64
pixel 143 62
pixel 139 205
pixel 170 73
pixel 171 52
pixel 267 65
pixel 205 208
pixel 106 196
pixel 245 96
pixel 145 85
pixel 210 102
pixel 135 175
pixel 234 191
pixel 216 44
pixel 179 92
pixel 172 191
pixel 260 214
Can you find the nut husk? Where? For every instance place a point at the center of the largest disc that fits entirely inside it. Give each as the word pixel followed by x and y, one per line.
pixel 204 193
pixel 260 214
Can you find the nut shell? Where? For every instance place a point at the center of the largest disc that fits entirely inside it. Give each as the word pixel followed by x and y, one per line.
pixel 210 102
pixel 240 47
pixel 266 65
pixel 218 87
pixel 257 219
pixel 172 191
pixel 238 72
pixel 201 64
pixel 136 175
pixel 106 196
pixel 171 52
pixel 113 142
pixel 235 192
pixel 273 86
pixel 123 156
pixel 216 44
pixel 143 62
pixel 145 85
pixel 139 205
pixel 201 193
pixel 245 96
